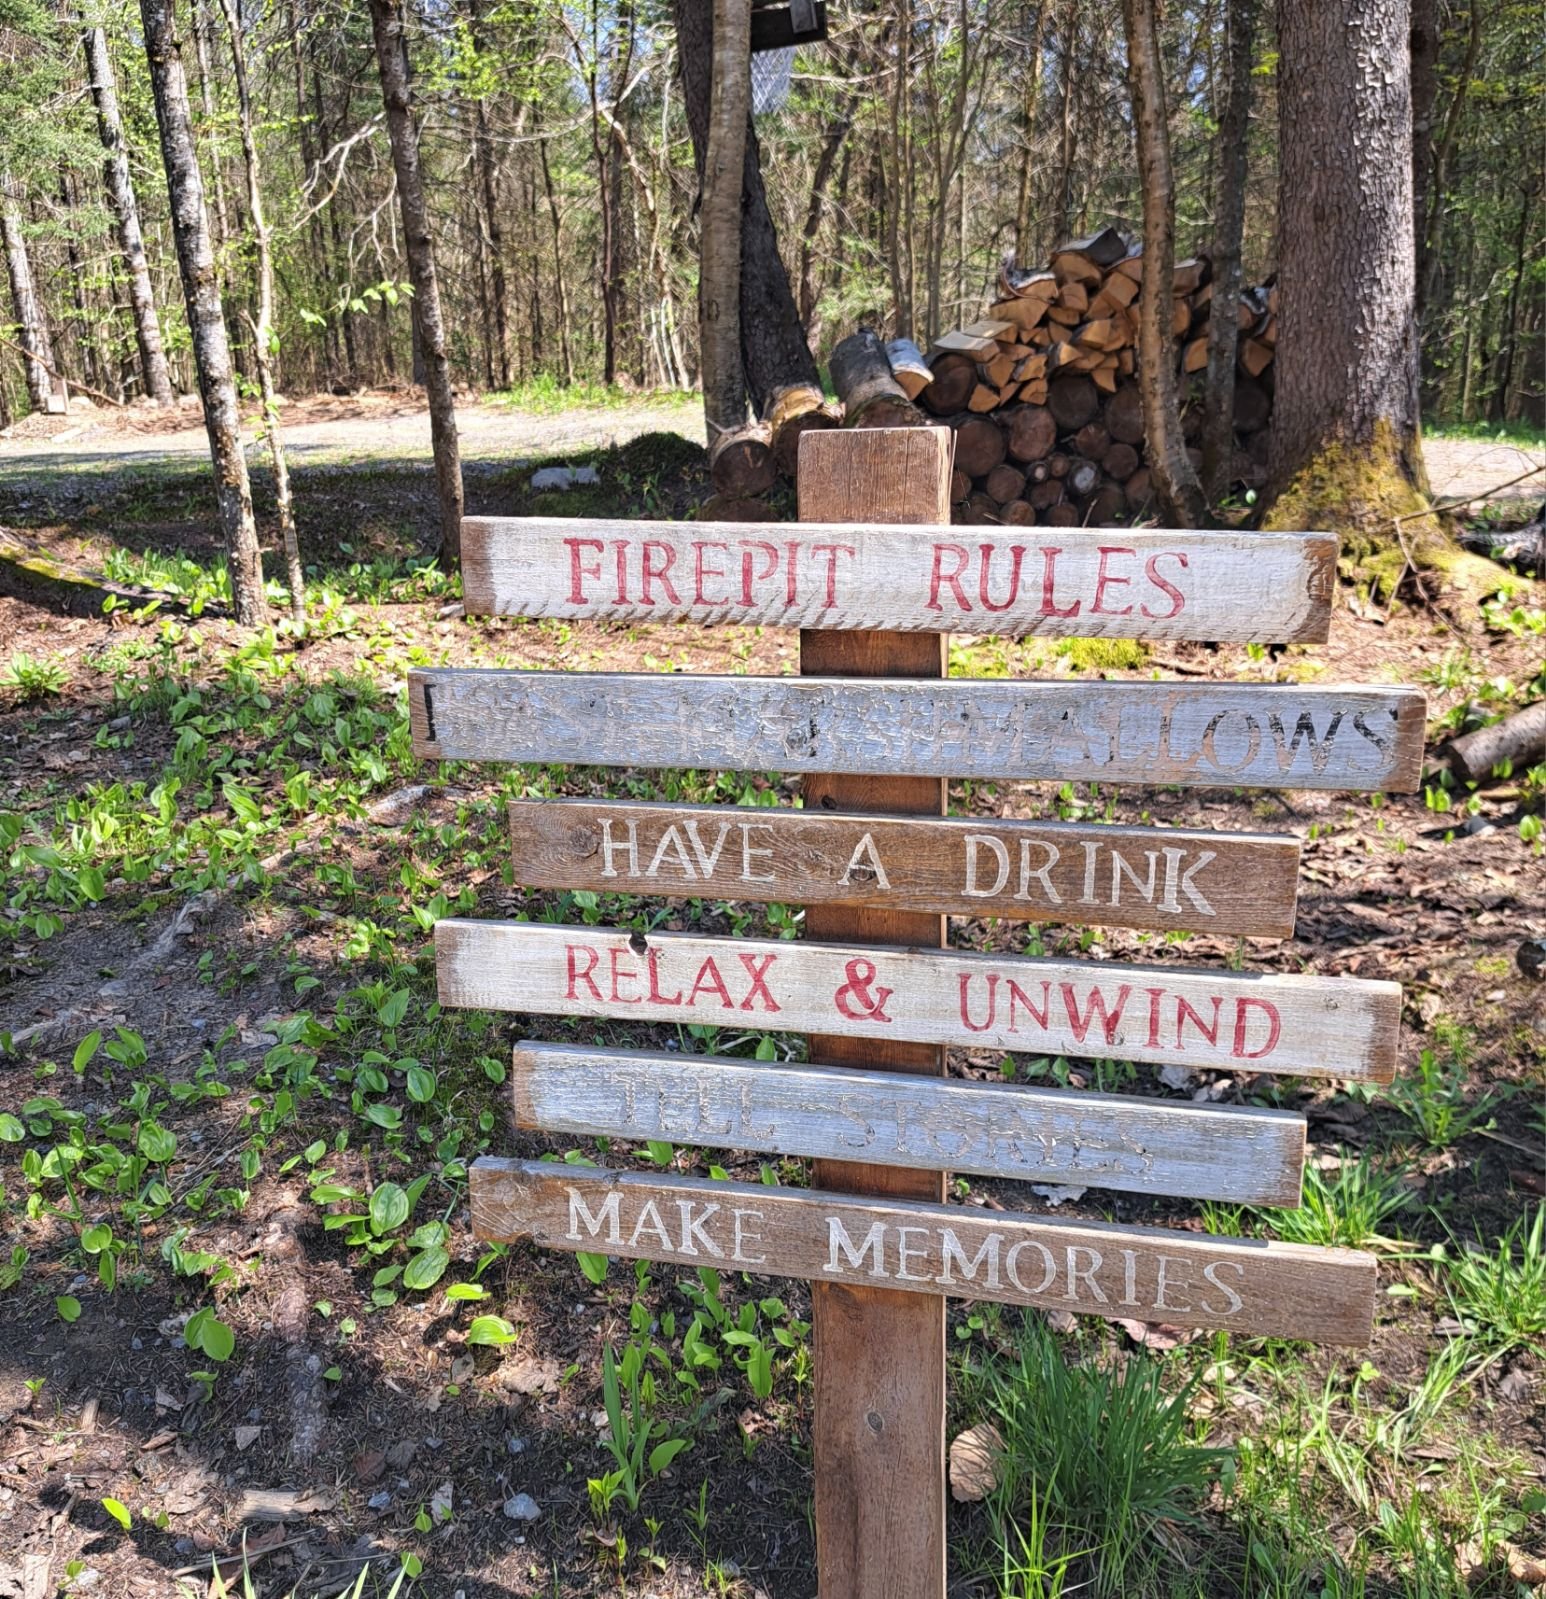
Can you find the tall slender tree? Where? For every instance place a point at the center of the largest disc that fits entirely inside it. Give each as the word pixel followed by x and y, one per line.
pixel 719 254
pixel 386 18
pixel 264 338
pixel 206 314
pixel 32 325
pixel 126 214
pixel 1176 485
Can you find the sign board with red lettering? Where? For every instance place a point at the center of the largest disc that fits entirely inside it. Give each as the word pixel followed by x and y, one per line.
pixel 1241 1285
pixel 1088 874
pixel 1255 735
pixel 1050 1135
pixel 1300 1026
pixel 1061 583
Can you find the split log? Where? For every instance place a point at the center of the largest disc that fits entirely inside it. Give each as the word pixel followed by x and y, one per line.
pixel 741 461
pixel 908 367
pixel 1253 409
pixel 1083 476
pixel 1047 494
pixel 1138 490
pixel 1519 739
pixel 1018 513
pixel 1064 515
pixel 1254 357
pixel 1073 401
pixel 960 487
pixel 979 445
pixel 729 508
pixel 1107 507
pixel 871 396
pixel 1058 464
pixel 1032 433
pixel 955 376
pixel 1189 276
pixel 792 411
pixel 981 511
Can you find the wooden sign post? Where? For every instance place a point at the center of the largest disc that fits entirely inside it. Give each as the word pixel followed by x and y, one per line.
pixel 875 577
pixel 879 1377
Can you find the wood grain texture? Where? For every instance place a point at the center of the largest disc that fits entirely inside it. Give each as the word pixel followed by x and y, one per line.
pixel 1298 1026
pixel 1253 735
pixel 1048 1135
pixel 1143 583
pixel 1151 1274
pixel 1083 874
pixel 878 1427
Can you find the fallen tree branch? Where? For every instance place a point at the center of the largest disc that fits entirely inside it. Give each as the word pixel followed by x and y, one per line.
pixel 69 383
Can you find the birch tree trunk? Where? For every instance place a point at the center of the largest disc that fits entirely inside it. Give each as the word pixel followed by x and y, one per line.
pixel 1176 486
pixel 1233 144
pixel 36 346
pixel 392 59
pixel 206 315
pixel 263 324
pixel 126 215
pixel 719 221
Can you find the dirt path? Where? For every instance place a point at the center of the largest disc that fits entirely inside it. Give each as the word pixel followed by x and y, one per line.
pixel 328 430
pixel 1472 468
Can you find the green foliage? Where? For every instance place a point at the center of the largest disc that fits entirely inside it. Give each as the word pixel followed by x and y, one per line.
pixel 31 679
pixel 1500 1296
pixel 1347 1207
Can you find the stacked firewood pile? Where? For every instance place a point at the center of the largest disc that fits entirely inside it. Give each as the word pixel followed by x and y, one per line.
pixel 1042 395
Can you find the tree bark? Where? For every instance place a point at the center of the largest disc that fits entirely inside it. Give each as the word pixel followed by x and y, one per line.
pixel 719 221
pixel 1233 143
pixel 1345 417
pixel 1175 482
pixel 774 353
pixel 206 315
pixel 1030 101
pixel 126 216
pixel 37 347
pixel 263 337
pixel 392 58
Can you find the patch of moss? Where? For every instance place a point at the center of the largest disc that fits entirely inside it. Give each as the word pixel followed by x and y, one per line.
pixel 1363 494
pixel 1104 654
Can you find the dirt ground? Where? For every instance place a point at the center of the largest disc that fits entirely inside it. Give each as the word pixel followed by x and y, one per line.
pixel 424 1441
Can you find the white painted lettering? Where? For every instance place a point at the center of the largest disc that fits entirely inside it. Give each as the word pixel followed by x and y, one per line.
pixel 611 848
pixel 838 1241
pixel 1043 873
pixel 974 842
pixel 742 1238
pixel 1232 1300
pixel 579 1213
pixel 748 850
pixel 866 859
pixel 906 1251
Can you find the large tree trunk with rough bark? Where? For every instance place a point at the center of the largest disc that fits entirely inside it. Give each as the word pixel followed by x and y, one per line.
pixel 1175 482
pixel 392 58
pixel 719 222
pixel 126 215
pixel 206 315
pixel 774 352
pixel 32 324
pixel 1218 428
pixel 1345 443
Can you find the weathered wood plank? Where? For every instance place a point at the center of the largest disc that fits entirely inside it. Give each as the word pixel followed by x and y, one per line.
pixel 1190 1279
pixel 878 1377
pixel 1059 583
pixel 1141 1146
pixel 1255 735
pixel 1300 1026
pixel 1085 874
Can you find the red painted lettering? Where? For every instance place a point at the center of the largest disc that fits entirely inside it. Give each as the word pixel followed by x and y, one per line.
pixel 790 584
pixel 747 576
pixel 1109 1021
pixel 1048 582
pixel 701 570
pixel 1105 580
pixel 620 556
pixel 966 1010
pixel 1016 558
pixel 1183 1011
pixel 652 574
pixel 831 551
pixel 652 963
pixel 1037 1016
pixel 1177 598
pixel 578 976
pixel 577 570
pixel 628 974
pixel 1274 1029
pixel 940 576
pixel 757 970
pixel 708 981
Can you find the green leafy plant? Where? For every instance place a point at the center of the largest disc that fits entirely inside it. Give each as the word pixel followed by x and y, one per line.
pixel 30 679
pixel 631 1430
pixel 1500 1296
pixel 1347 1207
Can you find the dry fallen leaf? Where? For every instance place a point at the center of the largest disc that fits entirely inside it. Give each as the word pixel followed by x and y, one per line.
pixel 974 1458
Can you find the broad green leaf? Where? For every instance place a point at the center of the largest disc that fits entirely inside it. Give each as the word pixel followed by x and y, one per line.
pixel 426 1268
pixel 421 1084
pixel 594 1266
pixel 493 1331
pixel 68 1306
pixel 472 1291
pixel 662 1455
pixel 119 1512
pixel 84 1050
pixel 11 1130
pixel 388 1209
pixel 156 1143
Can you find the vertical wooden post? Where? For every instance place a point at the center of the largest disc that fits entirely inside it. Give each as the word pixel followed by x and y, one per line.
pixel 879 1354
